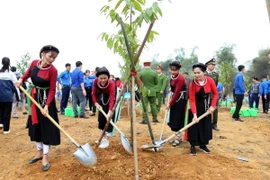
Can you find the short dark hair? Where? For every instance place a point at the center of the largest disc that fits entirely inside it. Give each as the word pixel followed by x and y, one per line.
pixel 186 73
pixel 13 68
pixel 67 65
pixel 255 78
pixel 241 67
pixel 78 63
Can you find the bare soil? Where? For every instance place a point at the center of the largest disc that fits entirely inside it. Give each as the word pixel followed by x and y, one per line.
pixel 249 139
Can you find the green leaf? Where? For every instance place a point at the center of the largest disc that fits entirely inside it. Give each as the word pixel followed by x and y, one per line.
pixel 145 17
pixel 142 2
pixel 149 12
pixel 118 4
pixel 156 8
pixel 110 43
pixel 137 6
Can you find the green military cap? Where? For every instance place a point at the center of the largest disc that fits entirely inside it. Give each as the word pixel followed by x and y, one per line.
pixel 211 61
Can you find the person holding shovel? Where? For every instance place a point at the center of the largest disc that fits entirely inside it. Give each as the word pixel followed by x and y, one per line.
pixel 44 77
pixel 178 101
pixel 103 94
pixel 199 96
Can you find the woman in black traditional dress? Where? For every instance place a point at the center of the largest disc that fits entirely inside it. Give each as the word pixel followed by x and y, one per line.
pixel 199 97
pixel 178 101
pixel 43 76
pixel 103 94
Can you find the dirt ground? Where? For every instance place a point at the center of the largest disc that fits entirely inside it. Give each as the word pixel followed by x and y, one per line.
pixel 249 139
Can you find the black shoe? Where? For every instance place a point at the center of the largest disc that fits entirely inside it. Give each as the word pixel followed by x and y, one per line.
pixel 46 167
pixel 238 119
pixel 204 149
pixel 34 160
pixel 83 116
pixel 24 112
pixel 16 117
pixel 215 128
pixel 143 122
pixel 193 151
pixel 76 116
pixel 155 121
pixel 62 113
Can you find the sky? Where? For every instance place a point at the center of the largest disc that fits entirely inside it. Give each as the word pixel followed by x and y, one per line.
pixel 74 26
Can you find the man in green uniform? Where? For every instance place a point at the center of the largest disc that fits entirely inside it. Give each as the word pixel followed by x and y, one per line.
pixel 161 86
pixel 150 80
pixel 214 75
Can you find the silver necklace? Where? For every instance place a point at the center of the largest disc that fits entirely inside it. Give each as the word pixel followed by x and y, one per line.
pixel 203 83
pixel 39 66
pixel 175 77
pixel 104 86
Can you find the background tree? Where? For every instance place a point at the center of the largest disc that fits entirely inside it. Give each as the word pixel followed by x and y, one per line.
pixel 24 63
pixel 186 61
pixel 260 66
pixel 226 66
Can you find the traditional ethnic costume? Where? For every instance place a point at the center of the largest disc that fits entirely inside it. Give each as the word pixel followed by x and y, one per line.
pixel 177 105
pixel 43 89
pixel 105 97
pixel 199 97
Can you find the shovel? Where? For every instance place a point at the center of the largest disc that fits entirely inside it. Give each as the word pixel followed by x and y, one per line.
pixel 85 153
pixel 167 111
pixel 124 140
pixel 160 144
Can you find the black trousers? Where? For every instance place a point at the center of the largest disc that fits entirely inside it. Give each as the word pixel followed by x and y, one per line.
pixel 5 114
pixel 265 110
pixel 92 107
pixel 267 102
pixel 239 101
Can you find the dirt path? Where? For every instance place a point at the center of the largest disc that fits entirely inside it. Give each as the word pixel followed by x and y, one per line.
pixel 250 139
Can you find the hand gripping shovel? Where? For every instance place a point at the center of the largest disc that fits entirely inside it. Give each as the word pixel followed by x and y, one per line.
pixel 124 140
pixel 85 153
pixel 160 144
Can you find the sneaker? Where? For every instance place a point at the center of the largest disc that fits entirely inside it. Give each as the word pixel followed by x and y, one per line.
pixel 1 125
pixel 6 132
pixel 104 143
pixel 155 121
pixel 193 151
pixel 204 149
pixel 16 117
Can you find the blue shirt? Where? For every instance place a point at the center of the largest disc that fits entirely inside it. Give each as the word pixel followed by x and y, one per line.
pixel 267 87
pixel 77 77
pixel 64 78
pixel 239 84
pixel 220 87
pixel 89 81
pixel 262 88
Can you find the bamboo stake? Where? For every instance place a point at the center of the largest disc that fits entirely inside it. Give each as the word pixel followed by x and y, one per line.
pixel 134 144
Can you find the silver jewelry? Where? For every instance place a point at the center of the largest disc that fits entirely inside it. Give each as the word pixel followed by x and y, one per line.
pixel 39 66
pixel 175 77
pixel 102 100
pixel 205 81
pixel 101 87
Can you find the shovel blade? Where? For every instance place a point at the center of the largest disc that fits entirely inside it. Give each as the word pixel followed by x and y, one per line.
pixel 86 155
pixel 126 144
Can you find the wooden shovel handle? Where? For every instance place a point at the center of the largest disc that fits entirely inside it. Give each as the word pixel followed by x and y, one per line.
pixel 48 116
pixel 112 123
pixel 186 127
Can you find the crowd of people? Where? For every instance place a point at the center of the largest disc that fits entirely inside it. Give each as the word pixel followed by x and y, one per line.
pixel 99 89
